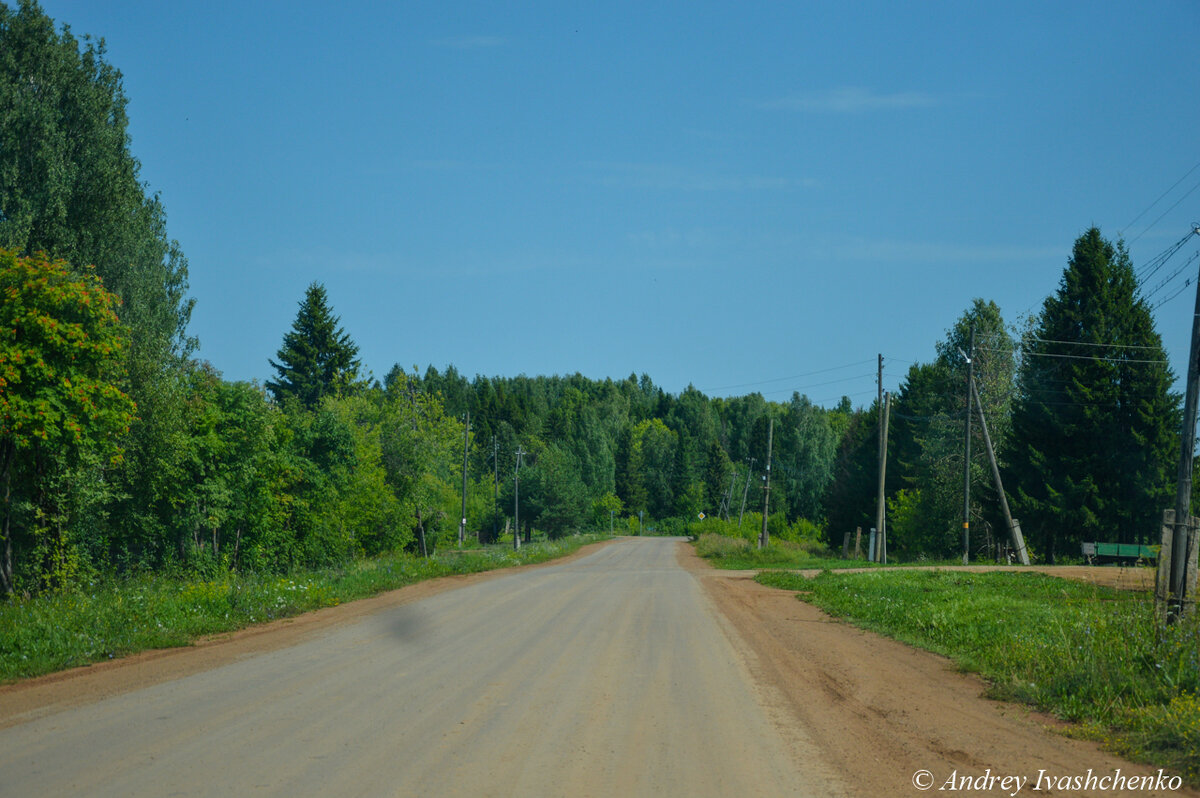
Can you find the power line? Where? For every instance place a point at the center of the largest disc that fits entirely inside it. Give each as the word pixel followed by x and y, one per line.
pixel 1160 197
pixel 1182 288
pixel 1089 343
pixel 1186 282
pixel 794 377
pixel 1166 280
pixel 820 384
pixel 1090 357
pixel 1159 260
pixel 1168 210
pixel 823 402
pixel 1025 352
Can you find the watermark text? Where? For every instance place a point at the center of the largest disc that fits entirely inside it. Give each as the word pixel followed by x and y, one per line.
pixel 1047 781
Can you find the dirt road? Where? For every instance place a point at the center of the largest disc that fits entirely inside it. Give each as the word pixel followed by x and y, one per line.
pixel 633 670
pixel 609 675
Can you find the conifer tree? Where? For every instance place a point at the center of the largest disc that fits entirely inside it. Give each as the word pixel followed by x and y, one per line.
pixel 1095 419
pixel 318 358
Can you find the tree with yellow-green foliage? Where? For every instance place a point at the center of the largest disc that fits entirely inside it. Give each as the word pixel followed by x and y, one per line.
pixel 61 410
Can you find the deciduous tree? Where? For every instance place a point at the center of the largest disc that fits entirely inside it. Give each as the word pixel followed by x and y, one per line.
pixel 61 349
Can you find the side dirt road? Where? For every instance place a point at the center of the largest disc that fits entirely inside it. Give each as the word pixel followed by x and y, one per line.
pixel 882 712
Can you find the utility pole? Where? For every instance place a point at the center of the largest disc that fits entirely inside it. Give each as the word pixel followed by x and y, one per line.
pixel 966 536
pixel 745 492
pixel 880 514
pixel 462 524
pixel 885 410
pixel 1014 526
pixel 764 537
pixel 1177 598
pixel 517 500
pixel 727 498
pixel 495 488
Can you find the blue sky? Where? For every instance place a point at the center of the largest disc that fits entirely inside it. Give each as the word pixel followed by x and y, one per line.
pixel 753 196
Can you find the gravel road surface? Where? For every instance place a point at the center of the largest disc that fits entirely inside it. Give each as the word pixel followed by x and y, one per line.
pixel 609 675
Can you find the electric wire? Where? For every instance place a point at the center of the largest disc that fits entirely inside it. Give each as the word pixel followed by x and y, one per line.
pixel 1089 343
pixel 1151 266
pixel 1186 283
pixel 1167 280
pixel 1164 213
pixel 1186 174
pixel 793 377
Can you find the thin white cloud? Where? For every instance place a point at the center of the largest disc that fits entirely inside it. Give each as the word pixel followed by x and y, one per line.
pixel 666 177
pixel 671 238
pixel 470 42
pixel 851 100
pixel 892 251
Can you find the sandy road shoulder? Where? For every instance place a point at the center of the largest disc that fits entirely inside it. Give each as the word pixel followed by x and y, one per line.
pixel 880 711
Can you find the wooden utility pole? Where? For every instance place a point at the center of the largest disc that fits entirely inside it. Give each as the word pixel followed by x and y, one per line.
pixel 727 499
pixel 966 535
pixel 764 537
pixel 1177 586
pixel 517 500
pixel 1014 526
pixel 745 492
pixel 880 514
pixel 885 410
pixel 495 487
pixel 462 524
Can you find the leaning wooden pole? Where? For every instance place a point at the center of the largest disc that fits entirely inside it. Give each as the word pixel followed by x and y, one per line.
pixel 1014 526
pixel 880 505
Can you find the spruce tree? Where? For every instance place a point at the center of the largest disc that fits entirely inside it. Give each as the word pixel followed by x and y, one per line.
pixel 318 358
pixel 1095 419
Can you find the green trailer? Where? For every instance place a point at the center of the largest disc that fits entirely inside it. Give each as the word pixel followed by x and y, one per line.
pixel 1097 552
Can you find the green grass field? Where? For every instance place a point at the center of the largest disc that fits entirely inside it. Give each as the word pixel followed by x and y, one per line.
pixel 1087 654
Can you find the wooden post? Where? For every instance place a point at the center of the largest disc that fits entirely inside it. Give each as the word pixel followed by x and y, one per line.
pixel 1171 606
pixel 745 493
pixel 1180 589
pixel 462 524
pixel 858 542
pixel 517 500
pixel 764 537
pixel 1014 526
pixel 966 522
pixel 880 515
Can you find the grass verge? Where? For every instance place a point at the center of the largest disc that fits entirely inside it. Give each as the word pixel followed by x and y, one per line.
pixel 1091 655
pixel 739 554
pixel 62 630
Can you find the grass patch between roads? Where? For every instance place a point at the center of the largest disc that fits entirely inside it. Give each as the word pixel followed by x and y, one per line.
pixel 742 554
pixel 1088 654
pixel 62 630
pixel 739 554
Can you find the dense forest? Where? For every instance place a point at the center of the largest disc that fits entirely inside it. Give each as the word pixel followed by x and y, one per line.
pixel 120 451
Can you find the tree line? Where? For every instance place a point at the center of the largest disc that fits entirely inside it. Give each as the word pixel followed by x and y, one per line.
pixel 120 451
pixel 1080 406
